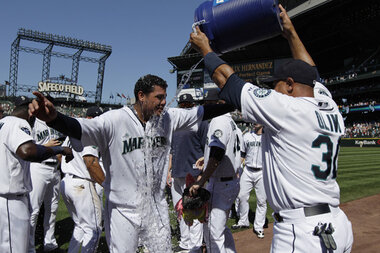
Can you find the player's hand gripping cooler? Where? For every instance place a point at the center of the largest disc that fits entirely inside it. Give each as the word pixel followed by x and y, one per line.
pixel 193 207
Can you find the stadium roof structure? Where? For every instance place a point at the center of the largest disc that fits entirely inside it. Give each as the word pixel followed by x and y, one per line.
pixel 335 32
pixel 53 40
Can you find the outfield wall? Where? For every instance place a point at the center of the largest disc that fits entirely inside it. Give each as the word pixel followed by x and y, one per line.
pixel 357 142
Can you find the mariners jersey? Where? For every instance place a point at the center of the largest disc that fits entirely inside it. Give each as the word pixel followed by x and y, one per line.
pixel 252 150
pixel 77 166
pixel 300 145
pixel 15 175
pixel 133 155
pixel 223 133
pixel 42 134
pixel 187 148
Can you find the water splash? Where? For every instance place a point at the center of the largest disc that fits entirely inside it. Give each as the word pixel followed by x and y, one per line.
pixel 185 78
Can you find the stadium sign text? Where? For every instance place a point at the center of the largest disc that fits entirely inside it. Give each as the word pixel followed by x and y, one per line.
pixel 56 87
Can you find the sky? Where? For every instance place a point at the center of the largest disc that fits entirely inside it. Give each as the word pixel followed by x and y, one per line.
pixel 143 34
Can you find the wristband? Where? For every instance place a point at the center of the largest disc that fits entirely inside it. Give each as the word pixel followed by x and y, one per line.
pixel 212 62
pixel 57 150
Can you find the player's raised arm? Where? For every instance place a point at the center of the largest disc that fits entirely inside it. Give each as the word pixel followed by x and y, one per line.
pixel 296 46
pixel 222 74
pixel 43 109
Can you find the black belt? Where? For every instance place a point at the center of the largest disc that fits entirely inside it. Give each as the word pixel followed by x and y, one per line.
pixel 309 211
pixel 225 179
pixel 254 169
pixel 50 163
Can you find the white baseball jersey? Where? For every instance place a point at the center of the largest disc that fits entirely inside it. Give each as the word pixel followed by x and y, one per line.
pixel 300 145
pixel 222 133
pixel 129 149
pixel 15 176
pixel 252 150
pixel 42 134
pixel 77 166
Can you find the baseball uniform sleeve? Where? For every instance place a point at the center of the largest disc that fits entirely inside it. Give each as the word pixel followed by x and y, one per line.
pixel 243 147
pixel 18 133
pixel 219 133
pixel 186 119
pixel 265 106
pixel 96 131
pixel 91 150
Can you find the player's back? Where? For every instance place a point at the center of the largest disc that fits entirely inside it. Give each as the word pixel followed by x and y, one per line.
pixel 301 157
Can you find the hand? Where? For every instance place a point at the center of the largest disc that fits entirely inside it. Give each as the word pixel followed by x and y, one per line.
pixel 169 179
pixel 68 153
pixel 200 42
pixel 194 189
pixel 200 163
pixel 287 24
pixel 42 108
pixel 52 143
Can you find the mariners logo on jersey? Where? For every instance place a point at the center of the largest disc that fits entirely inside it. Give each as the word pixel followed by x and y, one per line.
pixel 261 92
pixel 26 130
pixel 134 143
pixel 218 133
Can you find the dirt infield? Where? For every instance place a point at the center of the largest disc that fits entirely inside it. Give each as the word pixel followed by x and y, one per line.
pixel 364 215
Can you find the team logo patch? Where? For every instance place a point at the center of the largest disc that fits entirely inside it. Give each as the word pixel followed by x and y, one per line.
pixel 26 130
pixel 218 133
pixel 261 92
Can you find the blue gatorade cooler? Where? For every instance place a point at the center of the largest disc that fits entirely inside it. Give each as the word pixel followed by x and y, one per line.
pixel 231 24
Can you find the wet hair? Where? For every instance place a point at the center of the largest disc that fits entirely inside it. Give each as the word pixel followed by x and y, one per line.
pixel 146 84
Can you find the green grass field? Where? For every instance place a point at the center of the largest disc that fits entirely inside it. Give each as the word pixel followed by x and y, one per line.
pixel 358 177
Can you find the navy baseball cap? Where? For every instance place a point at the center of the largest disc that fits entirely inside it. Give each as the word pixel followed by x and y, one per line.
pixel 22 100
pixel 186 98
pixel 94 111
pixel 300 71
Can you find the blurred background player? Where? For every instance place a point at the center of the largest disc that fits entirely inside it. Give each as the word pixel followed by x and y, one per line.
pixel 80 197
pixel 46 179
pixel 187 148
pixel 17 151
pixel 93 112
pixel 221 159
pixel 252 177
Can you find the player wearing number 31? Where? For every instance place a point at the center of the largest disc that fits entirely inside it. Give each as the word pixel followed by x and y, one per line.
pixel 300 146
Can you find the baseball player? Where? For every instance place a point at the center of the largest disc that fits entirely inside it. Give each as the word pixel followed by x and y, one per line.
pixel 81 199
pixel 252 177
pixel 93 112
pixel 134 144
pixel 46 179
pixel 17 150
pixel 303 127
pixel 222 159
pixel 187 148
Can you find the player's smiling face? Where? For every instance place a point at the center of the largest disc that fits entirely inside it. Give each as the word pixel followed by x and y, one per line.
pixel 154 102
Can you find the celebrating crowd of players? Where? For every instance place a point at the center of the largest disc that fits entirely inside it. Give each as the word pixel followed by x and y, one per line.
pixel 127 151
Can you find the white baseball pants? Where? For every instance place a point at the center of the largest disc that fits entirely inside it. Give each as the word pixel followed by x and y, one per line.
pixel 83 204
pixel 252 179
pixel 14 223
pixel 218 236
pixel 45 182
pixel 295 233
pixel 191 236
